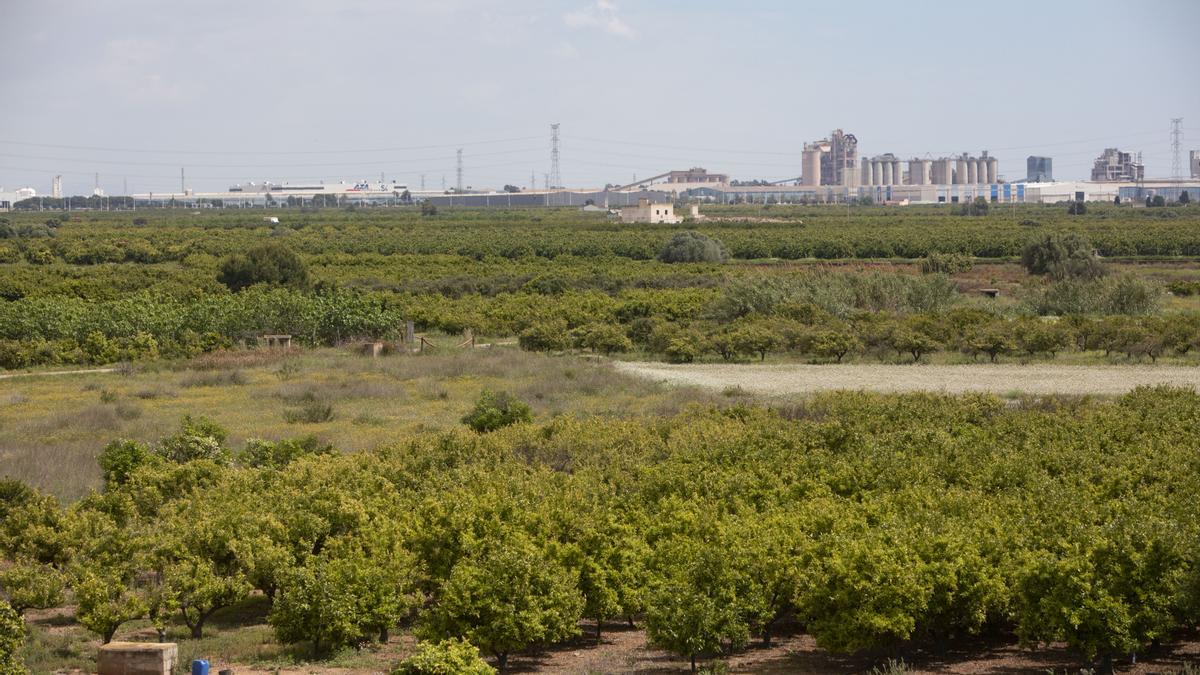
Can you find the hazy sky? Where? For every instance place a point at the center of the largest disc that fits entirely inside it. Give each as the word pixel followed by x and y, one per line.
pixel 302 90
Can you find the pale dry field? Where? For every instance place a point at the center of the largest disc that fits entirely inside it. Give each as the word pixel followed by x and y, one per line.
pixel 1002 379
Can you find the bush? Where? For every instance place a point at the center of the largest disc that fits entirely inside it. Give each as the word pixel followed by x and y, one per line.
pixel 312 412
pixel 946 263
pixel 691 247
pixel 495 410
pixel 119 459
pixel 448 657
pixel 1077 208
pixel 197 438
pixel 271 263
pixel 12 638
pixel 604 338
pixel 545 336
pixel 1062 256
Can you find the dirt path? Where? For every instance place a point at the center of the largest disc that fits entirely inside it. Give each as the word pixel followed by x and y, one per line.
pixel 994 378
pixel 6 376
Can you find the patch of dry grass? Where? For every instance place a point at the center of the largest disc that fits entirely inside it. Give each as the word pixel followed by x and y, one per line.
pixel 52 428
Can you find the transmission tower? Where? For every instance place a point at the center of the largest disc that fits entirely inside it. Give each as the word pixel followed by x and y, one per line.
pixel 1176 145
pixel 459 170
pixel 555 175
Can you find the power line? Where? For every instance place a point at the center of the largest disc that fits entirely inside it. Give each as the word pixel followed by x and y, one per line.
pixel 268 152
pixel 255 166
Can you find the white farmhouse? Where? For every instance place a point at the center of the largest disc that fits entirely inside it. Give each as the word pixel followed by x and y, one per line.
pixel 646 212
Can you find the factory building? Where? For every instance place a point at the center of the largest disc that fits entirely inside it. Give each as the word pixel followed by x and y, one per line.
pixel 830 161
pixel 887 169
pixel 882 170
pixel 696 175
pixel 1114 165
pixel 1039 169
pixel 920 171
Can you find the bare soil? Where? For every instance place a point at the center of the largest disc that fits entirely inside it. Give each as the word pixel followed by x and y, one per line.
pixel 782 379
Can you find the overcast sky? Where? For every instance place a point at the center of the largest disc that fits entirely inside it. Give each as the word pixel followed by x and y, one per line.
pixel 301 90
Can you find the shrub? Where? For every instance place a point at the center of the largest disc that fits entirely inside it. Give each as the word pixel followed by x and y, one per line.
pixel 270 263
pixel 1077 208
pixel 835 344
pixel 1062 256
pixel 682 349
pixel 447 657
pixel 278 454
pixel 604 338
pixel 495 410
pixel 693 247
pixel 12 638
pixel 119 459
pixel 946 263
pixel 312 412
pixel 197 438
pixel 545 336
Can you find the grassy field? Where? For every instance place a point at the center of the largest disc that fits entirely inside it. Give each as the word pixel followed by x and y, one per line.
pixel 52 427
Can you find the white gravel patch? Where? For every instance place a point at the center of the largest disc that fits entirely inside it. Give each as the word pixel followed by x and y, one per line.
pixel 1000 378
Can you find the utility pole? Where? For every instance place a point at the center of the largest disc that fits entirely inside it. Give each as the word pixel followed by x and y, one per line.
pixel 458 169
pixel 422 182
pixel 532 180
pixel 182 183
pixel 1176 144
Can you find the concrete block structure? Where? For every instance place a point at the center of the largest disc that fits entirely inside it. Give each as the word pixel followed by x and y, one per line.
pixel 650 212
pixel 137 658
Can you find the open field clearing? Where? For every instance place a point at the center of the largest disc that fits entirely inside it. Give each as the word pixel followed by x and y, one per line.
pixel 53 425
pixel 1001 379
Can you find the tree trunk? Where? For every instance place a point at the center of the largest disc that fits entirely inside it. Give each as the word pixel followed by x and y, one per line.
pixel 383 635
pixel 599 626
pixel 693 663
pixel 502 661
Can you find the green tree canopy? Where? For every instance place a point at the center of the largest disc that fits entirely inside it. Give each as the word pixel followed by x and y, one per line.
pixel 271 263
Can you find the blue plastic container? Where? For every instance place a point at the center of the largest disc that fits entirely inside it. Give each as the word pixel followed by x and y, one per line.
pixel 199 667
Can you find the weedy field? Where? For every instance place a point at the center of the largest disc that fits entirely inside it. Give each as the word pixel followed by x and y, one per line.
pixel 53 427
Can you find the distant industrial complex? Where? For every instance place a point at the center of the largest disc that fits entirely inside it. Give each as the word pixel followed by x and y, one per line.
pixel 831 171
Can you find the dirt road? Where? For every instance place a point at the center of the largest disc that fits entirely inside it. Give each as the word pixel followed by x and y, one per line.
pixel 995 378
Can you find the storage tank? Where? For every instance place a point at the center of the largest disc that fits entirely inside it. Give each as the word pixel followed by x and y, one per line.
pixel 866 171
pixel 887 172
pixel 960 171
pixel 876 172
pixel 811 166
pixel 993 170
